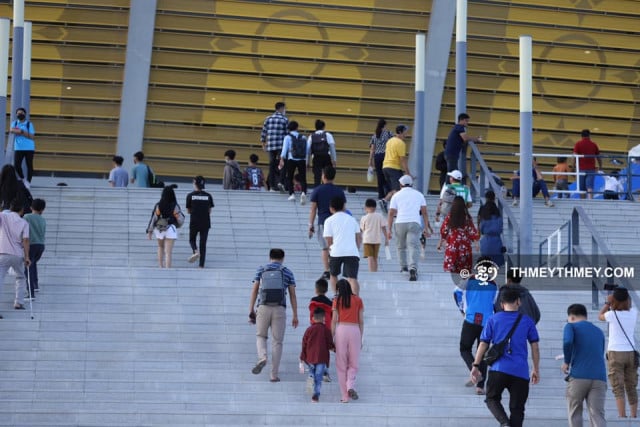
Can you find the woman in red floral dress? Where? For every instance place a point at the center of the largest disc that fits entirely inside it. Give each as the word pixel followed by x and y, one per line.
pixel 458 232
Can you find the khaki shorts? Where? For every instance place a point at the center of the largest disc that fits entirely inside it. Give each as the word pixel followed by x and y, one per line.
pixel 371 250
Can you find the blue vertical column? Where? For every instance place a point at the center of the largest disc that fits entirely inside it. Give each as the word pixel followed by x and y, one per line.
pixel 16 68
pixel 133 103
pixel 4 80
pixel 26 67
pixel 526 148
pixel 417 141
pixel 461 72
pixel 441 20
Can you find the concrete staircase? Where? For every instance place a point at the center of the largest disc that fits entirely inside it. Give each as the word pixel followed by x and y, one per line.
pixel 116 341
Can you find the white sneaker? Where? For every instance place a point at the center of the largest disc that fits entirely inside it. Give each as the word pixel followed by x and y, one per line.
pixel 194 257
pixel 292 197
pixel 515 203
pixel 548 204
pixel 303 199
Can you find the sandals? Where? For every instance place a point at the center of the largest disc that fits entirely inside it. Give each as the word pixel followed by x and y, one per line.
pixel 258 368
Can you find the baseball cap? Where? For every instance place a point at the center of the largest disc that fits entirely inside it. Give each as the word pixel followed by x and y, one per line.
pixel 456 174
pixel 199 180
pixel 406 180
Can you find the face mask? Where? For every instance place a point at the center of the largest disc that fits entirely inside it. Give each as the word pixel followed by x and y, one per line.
pixel 21 116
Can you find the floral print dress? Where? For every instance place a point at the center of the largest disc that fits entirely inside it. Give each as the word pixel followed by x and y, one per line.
pixel 458 253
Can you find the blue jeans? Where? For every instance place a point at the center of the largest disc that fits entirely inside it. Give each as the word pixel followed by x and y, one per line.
pixel 538 186
pixel 317 372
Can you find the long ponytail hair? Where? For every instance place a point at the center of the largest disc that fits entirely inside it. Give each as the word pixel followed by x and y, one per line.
pixel 381 124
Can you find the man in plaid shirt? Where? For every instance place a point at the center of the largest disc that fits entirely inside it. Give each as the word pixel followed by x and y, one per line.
pixel 274 130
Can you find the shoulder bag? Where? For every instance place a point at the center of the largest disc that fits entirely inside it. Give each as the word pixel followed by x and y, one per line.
pixel 636 354
pixel 496 351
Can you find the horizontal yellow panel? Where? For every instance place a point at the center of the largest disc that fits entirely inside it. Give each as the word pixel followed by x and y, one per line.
pixel 326 16
pixel 67 145
pixel 312 50
pixel 552 17
pixel 73 108
pixel 253 82
pixel 87 54
pixel 75 127
pixel 73 15
pixel 119 4
pixel 73 71
pixel 72 163
pixel 205 6
pixel 252 29
pixel 73 34
pixel 618 6
pixel 284 67
pixel 76 90
pixel 539 33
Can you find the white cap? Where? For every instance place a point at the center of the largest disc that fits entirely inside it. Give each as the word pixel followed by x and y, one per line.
pixel 406 180
pixel 456 174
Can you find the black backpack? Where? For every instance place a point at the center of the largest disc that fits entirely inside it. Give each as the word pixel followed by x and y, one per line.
pixel 298 146
pixel 319 144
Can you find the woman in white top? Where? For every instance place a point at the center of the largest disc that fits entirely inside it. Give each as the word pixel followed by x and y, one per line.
pixel 623 372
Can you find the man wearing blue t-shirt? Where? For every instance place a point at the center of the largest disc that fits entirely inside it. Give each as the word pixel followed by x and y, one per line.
pixel 475 300
pixel 583 348
pixel 511 371
pixel 320 205
pixel 457 142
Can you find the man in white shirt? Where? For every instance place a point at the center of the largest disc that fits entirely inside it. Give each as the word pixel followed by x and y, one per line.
pixel 407 206
pixel 342 233
pixel 322 149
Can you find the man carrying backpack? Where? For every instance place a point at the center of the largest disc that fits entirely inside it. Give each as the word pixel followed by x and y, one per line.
pixel 270 285
pixel 322 147
pixel 294 149
pixel 450 191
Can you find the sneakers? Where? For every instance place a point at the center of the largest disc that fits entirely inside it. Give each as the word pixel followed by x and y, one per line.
pixel 548 203
pixel 326 275
pixel 303 199
pixel 315 398
pixel 326 378
pixel 281 188
pixel 515 203
pixel 258 368
pixel 413 275
pixel 194 257
pixel 404 270
pixel 292 198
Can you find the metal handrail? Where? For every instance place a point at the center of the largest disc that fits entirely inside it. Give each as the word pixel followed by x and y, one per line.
pixel 559 249
pixel 598 248
pixel 512 240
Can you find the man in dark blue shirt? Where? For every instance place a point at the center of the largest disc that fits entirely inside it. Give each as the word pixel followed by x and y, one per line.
pixel 320 201
pixel 583 348
pixel 456 142
pixel 511 371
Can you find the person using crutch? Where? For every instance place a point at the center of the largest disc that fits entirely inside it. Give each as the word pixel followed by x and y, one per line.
pixel 14 248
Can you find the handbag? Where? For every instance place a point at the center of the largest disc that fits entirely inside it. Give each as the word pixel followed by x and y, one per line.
pixel 179 217
pixel 636 354
pixel 153 183
pixel 496 351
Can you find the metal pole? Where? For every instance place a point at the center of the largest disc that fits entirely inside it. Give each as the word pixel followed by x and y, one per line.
pixel 4 76
pixel 461 72
pixel 417 145
pixel 526 156
pixel 26 67
pixel 16 67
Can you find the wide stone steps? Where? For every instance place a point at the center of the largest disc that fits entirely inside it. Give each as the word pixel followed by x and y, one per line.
pixel 117 341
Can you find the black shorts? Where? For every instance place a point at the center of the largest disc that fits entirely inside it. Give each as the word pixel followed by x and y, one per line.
pixel 392 177
pixel 349 266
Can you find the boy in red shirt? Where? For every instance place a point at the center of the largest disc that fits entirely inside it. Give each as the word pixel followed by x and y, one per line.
pixel 316 343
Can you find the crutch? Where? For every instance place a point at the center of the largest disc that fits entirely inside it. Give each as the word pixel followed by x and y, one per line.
pixel 29 293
